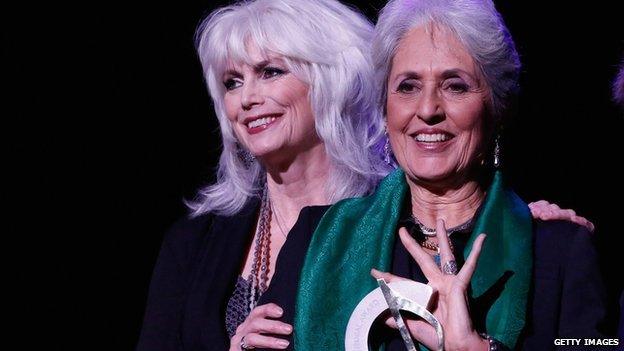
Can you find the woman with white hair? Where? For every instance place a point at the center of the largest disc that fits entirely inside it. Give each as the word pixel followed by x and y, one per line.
pixel 293 89
pixel 292 86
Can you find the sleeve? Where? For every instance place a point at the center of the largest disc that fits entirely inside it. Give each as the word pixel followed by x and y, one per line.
pixel 167 290
pixel 583 301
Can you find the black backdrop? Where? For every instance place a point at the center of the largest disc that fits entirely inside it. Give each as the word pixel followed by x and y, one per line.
pixel 109 127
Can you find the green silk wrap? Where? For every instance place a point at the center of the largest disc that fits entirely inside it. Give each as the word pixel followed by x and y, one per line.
pixel 358 234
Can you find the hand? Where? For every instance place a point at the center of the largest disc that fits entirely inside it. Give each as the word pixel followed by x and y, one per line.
pixel 451 307
pixel 258 323
pixel 544 210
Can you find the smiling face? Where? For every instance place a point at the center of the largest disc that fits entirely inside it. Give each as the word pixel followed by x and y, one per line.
pixel 268 107
pixel 436 106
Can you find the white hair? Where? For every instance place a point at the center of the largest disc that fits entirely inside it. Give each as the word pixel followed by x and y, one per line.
pixel 476 24
pixel 327 45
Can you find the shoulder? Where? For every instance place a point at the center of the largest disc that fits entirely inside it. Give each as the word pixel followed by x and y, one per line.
pixel 561 234
pixel 186 234
pixel 563 243
pixel 190 232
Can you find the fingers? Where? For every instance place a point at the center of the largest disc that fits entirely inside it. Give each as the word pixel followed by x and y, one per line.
pixel 568 213
pixel 268 326
pixel 424 260
pixel 538 207
pixel 263 341
pixel 270 310
pixel 544 210
pixel 391 323
pixel 258 323
pixel 446 255
pixel 388 277
pixel 584 222
pixel 554 207
pixel 556 213
pixel 471 262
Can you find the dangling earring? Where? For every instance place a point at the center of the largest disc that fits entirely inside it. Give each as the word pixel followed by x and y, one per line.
pixel 497 152
pixel 244 156
pixel 387 149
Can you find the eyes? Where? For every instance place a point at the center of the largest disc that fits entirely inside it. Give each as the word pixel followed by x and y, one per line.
pixel 270 72
pixel 454 85
pixel 267 72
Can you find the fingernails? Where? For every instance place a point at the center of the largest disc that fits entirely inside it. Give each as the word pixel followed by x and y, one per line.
pixel 287 329
pixel 279 311
pixel 282 344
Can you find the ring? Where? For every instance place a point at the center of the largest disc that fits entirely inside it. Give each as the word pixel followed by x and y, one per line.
pixel 450 267
pixel 244 346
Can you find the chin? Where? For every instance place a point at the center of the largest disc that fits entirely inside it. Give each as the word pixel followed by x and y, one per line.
pixel 429 174
pixel 263 147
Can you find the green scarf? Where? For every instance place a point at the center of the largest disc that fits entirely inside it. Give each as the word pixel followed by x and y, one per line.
pixel 358 234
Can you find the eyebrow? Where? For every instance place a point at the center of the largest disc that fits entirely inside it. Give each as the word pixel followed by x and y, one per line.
pixel 231 73
pixel 449 73
pixel 256 67
pixel 408 75
pixel 456 72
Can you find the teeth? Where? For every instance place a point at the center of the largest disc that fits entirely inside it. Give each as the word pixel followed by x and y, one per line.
pixel 260 122
pixel 431 138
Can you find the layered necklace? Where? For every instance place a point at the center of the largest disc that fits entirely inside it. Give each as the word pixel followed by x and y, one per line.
pixel 259 275
pixel 429 233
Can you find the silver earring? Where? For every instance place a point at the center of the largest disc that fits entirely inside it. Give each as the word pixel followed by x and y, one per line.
pixel 497 152
pixel 387 150
pixel 244 156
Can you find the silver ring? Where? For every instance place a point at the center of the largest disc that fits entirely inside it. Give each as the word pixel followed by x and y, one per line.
pixel 450 267
pixel 244 346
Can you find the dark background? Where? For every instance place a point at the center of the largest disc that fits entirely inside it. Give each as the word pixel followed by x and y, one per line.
pixel 109 127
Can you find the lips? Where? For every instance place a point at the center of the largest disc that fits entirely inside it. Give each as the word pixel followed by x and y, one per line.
pixel 259 123
pixel 432 135
pixel 432 139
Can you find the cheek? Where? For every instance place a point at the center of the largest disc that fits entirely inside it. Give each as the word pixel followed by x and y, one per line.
pixel 398 114
pixel 397 118
pixel 471 125
pixel 294 96
pixel 467 114
pixel 230 105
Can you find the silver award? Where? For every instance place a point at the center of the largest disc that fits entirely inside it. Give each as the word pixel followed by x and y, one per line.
pixel 396 296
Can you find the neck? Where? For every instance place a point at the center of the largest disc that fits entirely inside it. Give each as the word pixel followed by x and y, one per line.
pixel 298 183
pixel 455 205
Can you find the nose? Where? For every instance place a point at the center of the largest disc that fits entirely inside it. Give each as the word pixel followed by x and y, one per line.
pixel 251 94
pixel 429 107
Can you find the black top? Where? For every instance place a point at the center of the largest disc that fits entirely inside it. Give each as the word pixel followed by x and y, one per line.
pixel 196 272
pixel 201 258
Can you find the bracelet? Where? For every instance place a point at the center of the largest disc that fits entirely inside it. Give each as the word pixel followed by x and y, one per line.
pixel 495 345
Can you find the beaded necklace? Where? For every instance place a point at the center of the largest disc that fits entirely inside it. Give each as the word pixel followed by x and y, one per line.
pixel 258 277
